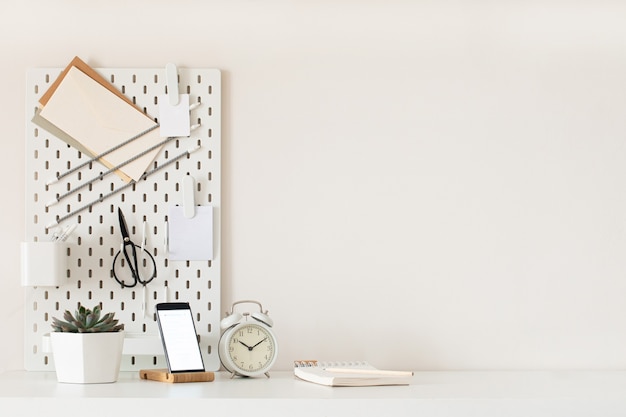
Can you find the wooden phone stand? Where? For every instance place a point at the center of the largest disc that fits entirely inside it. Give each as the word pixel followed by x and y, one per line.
pixel 163 375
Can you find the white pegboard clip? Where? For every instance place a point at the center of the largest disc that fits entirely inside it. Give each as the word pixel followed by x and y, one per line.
pixel 174 117
pixel 171 79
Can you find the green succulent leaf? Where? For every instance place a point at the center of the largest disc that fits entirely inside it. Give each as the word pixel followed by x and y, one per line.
pixel 86 320
pixel 68 316
pixel 90 320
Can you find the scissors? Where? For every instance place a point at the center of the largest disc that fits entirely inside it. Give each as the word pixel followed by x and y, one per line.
pixel 138 271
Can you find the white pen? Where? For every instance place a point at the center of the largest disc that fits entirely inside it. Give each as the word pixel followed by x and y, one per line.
pixel 143 237
pixel 67 232
pixel 365 371
pixel 55 235
pixel 144 301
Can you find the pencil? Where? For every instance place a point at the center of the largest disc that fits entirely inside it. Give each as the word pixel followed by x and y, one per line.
pixel 381 372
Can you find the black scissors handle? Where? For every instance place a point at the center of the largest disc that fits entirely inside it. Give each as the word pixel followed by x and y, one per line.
pixel 133 266
pixel 136 277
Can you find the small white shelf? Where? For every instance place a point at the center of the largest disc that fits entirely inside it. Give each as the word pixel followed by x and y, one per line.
pixel 450 394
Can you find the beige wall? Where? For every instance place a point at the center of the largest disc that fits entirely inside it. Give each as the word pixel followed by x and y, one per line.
pixel 421 184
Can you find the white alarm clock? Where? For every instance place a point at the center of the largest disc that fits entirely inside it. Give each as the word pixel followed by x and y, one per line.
pixel 247 347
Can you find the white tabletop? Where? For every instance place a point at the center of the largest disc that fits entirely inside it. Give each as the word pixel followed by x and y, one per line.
pixel 559 393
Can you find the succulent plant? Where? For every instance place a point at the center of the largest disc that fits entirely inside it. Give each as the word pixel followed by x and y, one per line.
pixel 85 320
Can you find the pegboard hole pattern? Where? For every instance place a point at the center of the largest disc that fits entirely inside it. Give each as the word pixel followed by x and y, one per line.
pixel 96 240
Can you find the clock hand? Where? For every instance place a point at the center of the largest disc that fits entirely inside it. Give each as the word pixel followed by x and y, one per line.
pixel 249 348
pixel 258 343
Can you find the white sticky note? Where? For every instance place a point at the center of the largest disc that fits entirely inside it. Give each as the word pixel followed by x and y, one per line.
pixel 190 239
pixel 174 121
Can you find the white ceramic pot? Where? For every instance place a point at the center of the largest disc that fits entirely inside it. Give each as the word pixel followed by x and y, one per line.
pixel 87 358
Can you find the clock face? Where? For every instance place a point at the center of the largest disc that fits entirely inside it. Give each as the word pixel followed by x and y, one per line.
pixel 251 348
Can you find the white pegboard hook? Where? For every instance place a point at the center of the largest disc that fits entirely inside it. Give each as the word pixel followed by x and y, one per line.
pixel 171 79
pixel 189 203
pixel 174 108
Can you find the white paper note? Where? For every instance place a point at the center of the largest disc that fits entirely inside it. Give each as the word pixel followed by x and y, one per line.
pixel 174 121
pixel 190 239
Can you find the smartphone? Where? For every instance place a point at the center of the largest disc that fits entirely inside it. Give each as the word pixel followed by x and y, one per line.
pixel 178 334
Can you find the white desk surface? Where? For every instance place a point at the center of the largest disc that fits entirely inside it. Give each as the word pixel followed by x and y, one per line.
pixel 498 393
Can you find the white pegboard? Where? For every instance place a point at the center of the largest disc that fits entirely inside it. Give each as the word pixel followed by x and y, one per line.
pixel 97 237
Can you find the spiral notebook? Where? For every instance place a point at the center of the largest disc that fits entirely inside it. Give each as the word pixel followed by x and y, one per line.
pixel 348 374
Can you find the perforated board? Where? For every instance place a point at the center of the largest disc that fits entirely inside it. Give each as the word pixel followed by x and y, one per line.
pixel 97 236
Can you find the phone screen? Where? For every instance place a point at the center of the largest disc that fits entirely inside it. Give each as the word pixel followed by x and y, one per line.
pixel 178 334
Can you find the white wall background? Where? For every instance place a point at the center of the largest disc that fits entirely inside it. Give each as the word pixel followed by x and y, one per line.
pixel 422 184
